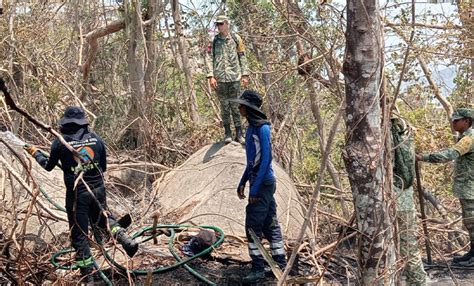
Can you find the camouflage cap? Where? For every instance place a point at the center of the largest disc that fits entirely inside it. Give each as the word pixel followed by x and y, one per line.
pixel 221 19
pixel 461 113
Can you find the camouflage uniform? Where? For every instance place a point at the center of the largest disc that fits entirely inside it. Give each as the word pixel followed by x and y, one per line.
pixel 463 182
pixel 403 171
pixel 463 186
pixel 227 63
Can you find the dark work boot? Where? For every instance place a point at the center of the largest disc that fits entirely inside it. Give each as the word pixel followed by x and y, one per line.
pixel 239 136
pixel 87 276
pixel 466 260
pixel 254 276
pixel 227 134
pixel 129 244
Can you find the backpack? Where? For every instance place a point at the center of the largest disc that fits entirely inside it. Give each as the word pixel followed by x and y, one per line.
pixel 403 156
pixel 239 44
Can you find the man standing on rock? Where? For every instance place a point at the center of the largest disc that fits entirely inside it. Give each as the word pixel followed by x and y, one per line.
pixel 463 185
pixel 227 68
pixel 403 177
pixel 85 199
pixel 261 210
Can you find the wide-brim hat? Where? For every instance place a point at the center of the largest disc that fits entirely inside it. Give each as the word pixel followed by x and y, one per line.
pixel 251 99
pixel 73 114
pixel 461 113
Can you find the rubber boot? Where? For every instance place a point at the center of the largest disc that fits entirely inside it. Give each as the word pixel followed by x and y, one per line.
pixel 239 136
pixel 228 134
pixel 129 244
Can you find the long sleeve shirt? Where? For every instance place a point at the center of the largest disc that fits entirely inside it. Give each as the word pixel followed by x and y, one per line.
pixel 463 155
pixel 259 158
pixel 226 60
pixel 85 142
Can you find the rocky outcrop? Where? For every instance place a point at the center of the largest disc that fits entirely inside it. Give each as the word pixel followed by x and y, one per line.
pixel 203 191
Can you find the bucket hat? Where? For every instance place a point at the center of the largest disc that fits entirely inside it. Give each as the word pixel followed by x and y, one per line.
pixel 251 99
pixel 74 114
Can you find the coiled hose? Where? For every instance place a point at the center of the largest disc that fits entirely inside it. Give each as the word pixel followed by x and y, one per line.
pixel 180 261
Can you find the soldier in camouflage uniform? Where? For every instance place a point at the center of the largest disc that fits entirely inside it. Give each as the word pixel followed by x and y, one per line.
pixel 463 185
pixel 403 175
pixel 227 67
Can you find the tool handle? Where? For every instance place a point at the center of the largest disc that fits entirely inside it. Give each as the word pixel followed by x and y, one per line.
pixel 423 213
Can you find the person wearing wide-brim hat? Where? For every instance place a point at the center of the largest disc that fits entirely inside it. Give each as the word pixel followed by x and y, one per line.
pixel 251 99
pixel 261 214
pixel 73 115
pixel 463 179
pixel 83 207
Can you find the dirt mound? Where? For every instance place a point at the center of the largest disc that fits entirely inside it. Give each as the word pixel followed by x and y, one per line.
pixel 203 191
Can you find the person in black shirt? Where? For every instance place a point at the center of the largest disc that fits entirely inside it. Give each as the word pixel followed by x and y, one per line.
pixel 85 202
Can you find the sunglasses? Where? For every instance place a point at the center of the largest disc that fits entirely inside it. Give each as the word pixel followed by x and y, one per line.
pixel 219 24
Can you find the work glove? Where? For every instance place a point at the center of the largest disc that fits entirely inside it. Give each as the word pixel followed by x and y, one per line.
pixel 30 149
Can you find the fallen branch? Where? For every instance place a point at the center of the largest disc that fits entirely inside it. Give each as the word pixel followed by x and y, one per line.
pixel 444 214
pixel 273 265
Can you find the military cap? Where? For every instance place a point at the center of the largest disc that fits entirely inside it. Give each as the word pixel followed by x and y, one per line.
pixel 222 19
pixel 461 113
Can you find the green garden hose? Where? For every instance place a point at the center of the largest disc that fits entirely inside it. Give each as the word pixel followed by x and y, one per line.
pixel 142 233
pixel 56 205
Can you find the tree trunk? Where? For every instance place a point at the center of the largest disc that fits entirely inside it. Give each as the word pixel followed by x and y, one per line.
pixel 183 52
pixel 150 78
pixel 13 63
pixel 364 151
pixel 136 75
pixel 150 60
